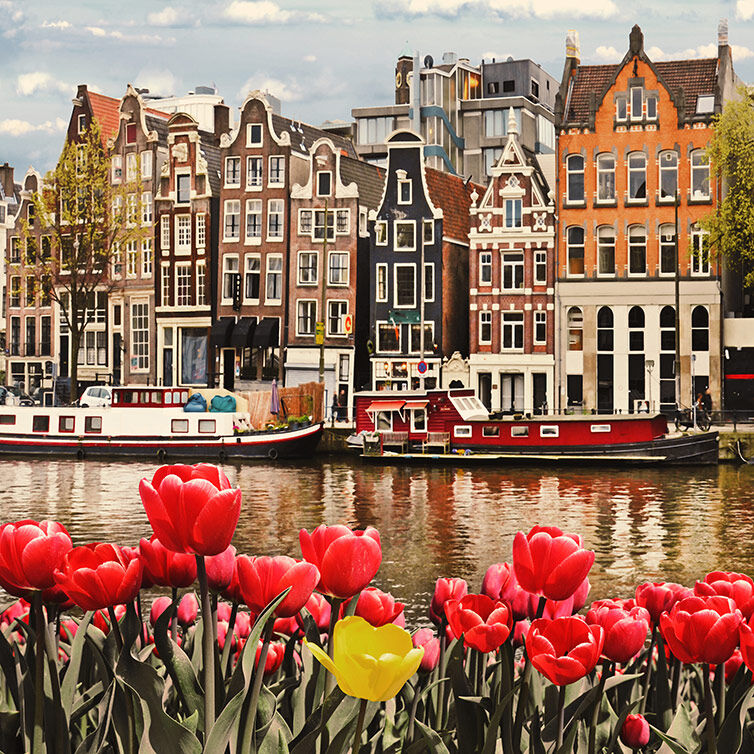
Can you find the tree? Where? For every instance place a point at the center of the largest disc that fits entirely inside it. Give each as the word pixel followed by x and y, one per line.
pixel 731 151
pixel 89 221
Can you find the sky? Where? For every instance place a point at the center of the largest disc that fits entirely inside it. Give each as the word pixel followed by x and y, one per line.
pixel 320 59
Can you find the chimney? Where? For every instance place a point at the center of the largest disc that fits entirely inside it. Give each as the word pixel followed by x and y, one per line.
pixel 222 120
pixel 6 180
pixel 722 37
pixel 572 46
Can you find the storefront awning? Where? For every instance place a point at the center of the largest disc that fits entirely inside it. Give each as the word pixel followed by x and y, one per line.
pixel 266 333
pixel 415 405
pixel 243 332
pixel 376 406
pixel 221 330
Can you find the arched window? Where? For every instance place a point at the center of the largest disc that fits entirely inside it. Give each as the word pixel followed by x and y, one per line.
pixel 637 250
pixel 575 243
pixel 637 176
pixel 605 329
pixel 699 252
pixel 636 329
pixel 667 322
pixel 699 175
pixel 605 250
pixel 667 357
pixel 667 249
pixel 605 177
pixel 636 317
pixel 575 178
pixel 668 174
pixel 575 329
pixel 699 329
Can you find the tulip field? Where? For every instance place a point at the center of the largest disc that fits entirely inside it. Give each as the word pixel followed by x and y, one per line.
pixel 268 655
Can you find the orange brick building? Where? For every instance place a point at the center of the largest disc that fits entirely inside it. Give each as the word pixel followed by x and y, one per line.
pixel 631 137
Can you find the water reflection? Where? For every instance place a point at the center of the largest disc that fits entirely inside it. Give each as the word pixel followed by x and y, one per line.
pixel 643 524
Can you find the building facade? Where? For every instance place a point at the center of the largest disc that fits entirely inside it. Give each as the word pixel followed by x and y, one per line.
pixel 512 281
pixel 631 145
pixel 10 198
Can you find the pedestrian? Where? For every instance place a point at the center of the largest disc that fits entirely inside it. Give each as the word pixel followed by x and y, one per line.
pixel 342 406
pixel 707 400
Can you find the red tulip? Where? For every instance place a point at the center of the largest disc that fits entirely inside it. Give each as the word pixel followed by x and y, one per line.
pixel 192 509
pixel 446 589
pixel 635 732
pixel 565 649
pixel 19 610
pixel 101 618
pixel 550 563
pixel 263 579
pixel 426 638
pixel 520 629
pixel 496 581
pixel 222 635
pixel 243 624
pixel 319 608
pixel 660 597
pixel 99 575
pixel 484 624
pixel 220 569
pixel 746 639
pixel 232 592
pixel 30 551
pixel 159 606
pixel 347 560
pixel 274 659
pixel 188 609
pixel 376 607
pixel 732 664
pixel 702 629
pixel 287 626
pixel 164 567
pixel 738 586
pixel 625 630
pixel 223 611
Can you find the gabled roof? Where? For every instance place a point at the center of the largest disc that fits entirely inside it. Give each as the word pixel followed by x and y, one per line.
pixel 369 178
pixel 453 196
pixel 304 134
pixel 106 111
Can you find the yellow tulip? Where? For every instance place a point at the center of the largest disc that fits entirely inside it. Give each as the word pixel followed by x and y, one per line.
pixel 370 663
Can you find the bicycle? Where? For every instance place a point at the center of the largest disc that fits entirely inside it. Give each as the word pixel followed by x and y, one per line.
pixel 684 418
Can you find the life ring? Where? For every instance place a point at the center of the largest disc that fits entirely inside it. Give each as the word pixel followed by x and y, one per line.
pixel 272 454
pixel 222 455
pixel 80 454
pixel 161 455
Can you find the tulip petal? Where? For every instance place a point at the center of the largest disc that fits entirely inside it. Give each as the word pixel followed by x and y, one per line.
pixel 216 521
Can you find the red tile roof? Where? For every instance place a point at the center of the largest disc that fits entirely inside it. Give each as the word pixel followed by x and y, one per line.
pixel 449 193
pixel 106 111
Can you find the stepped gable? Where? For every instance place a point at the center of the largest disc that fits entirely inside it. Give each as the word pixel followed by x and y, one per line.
pixel 453 196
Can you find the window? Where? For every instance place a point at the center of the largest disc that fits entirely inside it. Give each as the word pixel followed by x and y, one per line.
pixel 146 165
pixel 485 327
pixel 183 233
pixel 201 230
pixel 306 317
pixel 485 268
pixel 518 431
pixel 667 250
pixel 405 235
pixel 336 317
pixel 146 208
pixel 15 336
pixel 253 276
pixel 165 232
pixel 699 252
pixel 308 263
pixel 575 329
pixel 324 183
pixel 207 426
pixel 230 276
pixel 705 103
pixel 535 89
pixel 232 171
pixel 513 213
pixel 621 108
pixel 699 175
pixel 637 102
pixel 462 430
pixel 131 209
pixel 575 178
pixel 15 250
pixel 668 174
pixel 374 130
pixel 342 221
pixel 131 171
pixel 15 291
pixel 131 133
pixel 429 281
pixel 275 209
pixel 388 338
pixel 429 336
pixel 31 336
pixel 513 331
pixel 132 258
pixel 253 219
pixel 635 329
pixel 493 87
pixel 183 188
pixel 45 345
pixel 337 268
pixel 381 283
pixel 201 284
pixel 404 191
pixel 699 329
pixel 651 108
pixel 496 121
pixel 605 178
pixel 605 251
pixel 232 222
pixel 140 335
pixel 491 157
pixel 322 217
pixel 637 250
pixel 81 124
pixel 183 284
pixel 179 425
pixel 30 290
pixel 274 291
pixel 549 430
pixel 305 222
pixel 637 176
pixel 41 423
pixel 600 428
pixel 428 227
pixel 540 327
pixel 404 293
pixel 277 170
pixel 605 329
pixel 66 423
pixel 513 272
pixel 117 168
pixel 165 285
pixel 254 135
pixel 540 267
pixel 575 243
pixel 380 232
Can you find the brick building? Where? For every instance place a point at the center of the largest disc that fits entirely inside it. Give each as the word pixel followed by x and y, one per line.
pixel 630 137
pixel 512 280
pixel 10 198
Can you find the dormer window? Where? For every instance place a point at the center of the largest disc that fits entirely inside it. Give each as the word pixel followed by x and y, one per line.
pixel 82 124
pixel 705 103
pixel 254 135
pixel 404 191
pixel 637 102
pixel 183 189
pixel 130 133
pixel 324 183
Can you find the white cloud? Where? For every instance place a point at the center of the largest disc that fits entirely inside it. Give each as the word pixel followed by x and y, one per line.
pixel 310 58
pixel 607 54
pixel 16 127
pixel 515 8
pixel 100 33
pixel 740 52
pixel 745 9
pixel 40 81
pixel 61 25
pixel 166 17
pixel 158 81
pixel 263 12
pixel 490 55
pixel 11 10
pixel 284 91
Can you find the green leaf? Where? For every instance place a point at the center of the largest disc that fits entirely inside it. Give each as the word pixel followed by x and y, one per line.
pixel 675 747
pixel 432 738
pixel 730 737
pixel 493 728
pixel 71 677
pixel 683 728
pixel 469 718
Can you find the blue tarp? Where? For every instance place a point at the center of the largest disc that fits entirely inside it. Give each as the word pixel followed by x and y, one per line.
pixel 196 403
pixel 223 404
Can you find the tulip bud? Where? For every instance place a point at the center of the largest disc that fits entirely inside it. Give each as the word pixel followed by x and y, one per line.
pixel 426 639
pixel 635 732
pixel 188 609
pixel 158 608
pixel 446 589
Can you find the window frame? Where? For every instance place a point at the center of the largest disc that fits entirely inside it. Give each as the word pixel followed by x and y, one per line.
pixel 248 276
pixel 484 314
pixel 603 172
pixel 232 178
pixel 541 315
pixel 630 172
pixel 407 224
pixel 321 174
pixel 381 281
pixel 271 273
pixel 258 184
pixel 250 129
pixel 313 278
pixel 516 326
pixel 401 266
pixel 571 175
pixel 570 245
pixel 636 230
pixel 308 302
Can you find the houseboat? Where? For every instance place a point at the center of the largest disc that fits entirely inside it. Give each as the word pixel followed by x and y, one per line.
pixel 454 426
pixel 148 423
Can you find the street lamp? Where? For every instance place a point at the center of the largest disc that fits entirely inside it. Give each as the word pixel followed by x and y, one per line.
pixel 649 365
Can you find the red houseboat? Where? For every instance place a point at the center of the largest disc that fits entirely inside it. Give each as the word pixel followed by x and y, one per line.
pixel 454 425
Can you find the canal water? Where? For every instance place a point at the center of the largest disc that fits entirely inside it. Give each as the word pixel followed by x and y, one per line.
pixel 644 523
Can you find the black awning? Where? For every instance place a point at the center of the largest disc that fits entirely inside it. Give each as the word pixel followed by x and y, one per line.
pixel 221 330
pixel 243 332
pixel 266 333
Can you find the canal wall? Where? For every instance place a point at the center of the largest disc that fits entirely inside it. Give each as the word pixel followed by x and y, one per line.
pixel 334 440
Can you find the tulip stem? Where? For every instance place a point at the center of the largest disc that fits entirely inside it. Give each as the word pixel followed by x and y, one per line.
pixel 523 694
pixel 710 727
pixel 441 667
pixel 359 727
pixel 561 716
pixel 115 628
pixel 208 648
pixel 174 615
pixel 607 671
pixel 335 604
pixel 38 745
pixel 721 695
pixel 228 635
pixel 414 705
pixel 249 742
pixel 648 674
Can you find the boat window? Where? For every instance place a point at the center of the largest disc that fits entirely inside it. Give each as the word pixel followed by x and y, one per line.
pixel 600 427
pixel 40 424
pixel 491 431
pixel 92 424
pixel 179 425
pixel 462 430
pixel 383 420
pixel 7 419
pixel 519 431
pixel 66 423
pixel 145 397
pixel 156 398
pixel 207 425
pixel 549 430
pixel 418 420
pixel 168 397
pixel 184 396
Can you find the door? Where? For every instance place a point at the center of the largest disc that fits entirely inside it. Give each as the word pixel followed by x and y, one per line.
pixel 167 367
pixel 485 389
pixel 229 368
pixel 511 392
pixel 63 356
pixel 117 355
pixel 539 386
